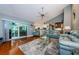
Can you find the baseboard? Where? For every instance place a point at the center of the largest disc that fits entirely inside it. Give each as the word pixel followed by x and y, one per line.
pixel 29 35
pixel 16 38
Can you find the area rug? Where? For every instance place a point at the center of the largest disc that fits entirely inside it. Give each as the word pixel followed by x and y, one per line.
pixel 36 47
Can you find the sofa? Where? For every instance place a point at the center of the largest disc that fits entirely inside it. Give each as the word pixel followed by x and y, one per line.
pixel 36 33
pixel 53 34
pixel 69 45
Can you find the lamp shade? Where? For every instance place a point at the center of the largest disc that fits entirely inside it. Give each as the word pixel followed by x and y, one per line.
pixel 67 27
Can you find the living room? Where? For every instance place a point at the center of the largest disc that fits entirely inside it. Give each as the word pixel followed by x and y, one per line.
pixel 40 29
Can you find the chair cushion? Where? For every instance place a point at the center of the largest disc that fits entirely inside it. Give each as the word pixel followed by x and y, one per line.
pixel 56 36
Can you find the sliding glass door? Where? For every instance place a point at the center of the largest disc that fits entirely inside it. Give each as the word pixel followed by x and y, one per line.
pixel 14 31
pixel 23 30
pixel 17 30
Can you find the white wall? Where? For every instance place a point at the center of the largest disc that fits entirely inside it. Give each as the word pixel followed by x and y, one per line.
pixel 5 30
pixel 1 29
pixel 68 15
pixel 75 22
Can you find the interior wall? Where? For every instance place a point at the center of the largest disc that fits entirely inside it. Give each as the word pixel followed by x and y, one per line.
pixel 75 22
pixel 1 29
pixel 68 15
pixel 6 30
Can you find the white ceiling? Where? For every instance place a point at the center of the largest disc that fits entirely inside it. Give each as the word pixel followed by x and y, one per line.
pixel 30 12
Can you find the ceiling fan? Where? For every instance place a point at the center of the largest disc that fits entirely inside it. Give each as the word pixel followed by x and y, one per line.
pixel 42 14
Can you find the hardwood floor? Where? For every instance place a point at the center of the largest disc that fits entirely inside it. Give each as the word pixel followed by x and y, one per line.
pixel 7 49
